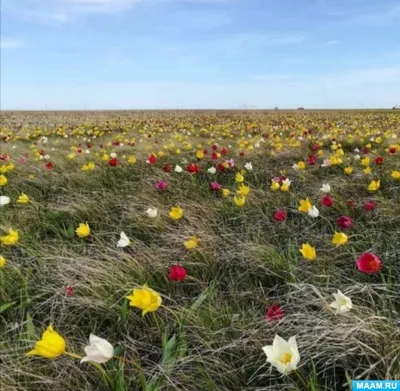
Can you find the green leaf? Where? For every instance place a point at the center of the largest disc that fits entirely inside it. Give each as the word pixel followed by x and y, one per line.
pixel 6 306
pixel 120 381
pixel 124 310
pixel 30 330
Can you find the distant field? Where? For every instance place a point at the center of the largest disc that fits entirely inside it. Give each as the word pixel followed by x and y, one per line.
pixel 232 227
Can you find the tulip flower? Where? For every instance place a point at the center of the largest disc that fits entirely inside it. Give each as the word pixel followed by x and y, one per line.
pixel 145 299
pixel 274 313
pixel 327 201
pixel 69 291
pixel 348 170
pixel 51 345
pixel 11 239
pixel 339 239
pixel 177 273
pixel 178 169
pixel 215 186
pixel 374 185
pixel 379 160
pixel 313 212
pixel 308 252
pixel 239 177
pixel 342 303
pixel 191 243
pixel 326 188
pixel 4 200
pixel 212 170
pixel 239 200
pixel 23 199
pixel 99 350
pixel 248 166
pixel 396 174
pixel 275 185
pixel 369 205
pixel 280 215
pixel 226 192
pixel 2 261
pixel 131 159
pixel 193 168
pixel 305 205
pixel 83 230
pixel 368 263
pixel 283 355
pixel 176 213
pixel 123 240
pixel 3 180
pixel 152 212
pixel 299 166
pixel 243 190
pixel 161 185
pixel 344 222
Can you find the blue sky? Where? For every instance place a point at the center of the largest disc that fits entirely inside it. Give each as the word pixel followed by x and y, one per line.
pixel 117 54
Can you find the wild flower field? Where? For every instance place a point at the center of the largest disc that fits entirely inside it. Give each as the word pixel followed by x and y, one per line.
pixel 199 251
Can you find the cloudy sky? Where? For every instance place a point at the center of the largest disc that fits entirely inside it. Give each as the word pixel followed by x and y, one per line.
pixel 117 54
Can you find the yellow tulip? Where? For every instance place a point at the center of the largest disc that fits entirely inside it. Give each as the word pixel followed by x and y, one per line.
pixel 374 185
pixel 200 154
pixel 348 170
pixel 2 261
pixel 305 205
pixel 11 239
pixel 243 190
pixel 239 177
pixel 396 174
pixel 365 162
pixel 176 213
pixel 145 299
pixel 3 180
pixel 191 243
pixel 23 199
pixel 239 200
pixel 51 345
pixel 275 185
pixel 367 170
pixel 339 239
pixel 131 159
pixel 226 192
pixel 308 252
pixel 83 230
pixel 285 187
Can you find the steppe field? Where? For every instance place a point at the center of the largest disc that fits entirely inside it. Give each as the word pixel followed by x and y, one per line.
pixel 199 251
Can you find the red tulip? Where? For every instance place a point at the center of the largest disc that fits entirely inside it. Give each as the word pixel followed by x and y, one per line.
pixel 274 312
pixel 215 186
pixel 113 162
pixel 224 151
pixel 177 273
pixel 161 185
pixel 214 156
pixel 365 151
pixel 312 160
pixel 368 263
pixel 4 157
pixel 280 215
pixel 344 222
pixel 167 168
pixel 327 201
pixel 241 154
pixel 379 160
pixel 220 167
pixel 49 165
pixel 193 168
pixel 69 291
pixel 152 159
pixel 215 147
pixel 369 205
pixel 392 150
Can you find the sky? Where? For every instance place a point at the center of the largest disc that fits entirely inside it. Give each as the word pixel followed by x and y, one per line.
pixel 186 54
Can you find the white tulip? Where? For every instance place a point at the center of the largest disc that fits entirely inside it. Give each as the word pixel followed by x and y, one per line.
pixel 123 240
pixel 212 170
pixel 287 181
pixel 326 163
pixel 313 212
pixel 248 166
pixel 152 212
pixel 357 157
pixel 178 168
pixel 113 155
pixel 4 200
pixel 295 167
pixel 99 350
pixel 283 355
pixel 326 188
pixel 356 150
pixel 342 303
pixel 47 157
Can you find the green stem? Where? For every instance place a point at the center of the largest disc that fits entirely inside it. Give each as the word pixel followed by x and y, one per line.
pixel 73 355
pixel 301 378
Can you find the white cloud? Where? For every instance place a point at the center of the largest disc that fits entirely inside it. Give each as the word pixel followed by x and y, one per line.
pixel 10 43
